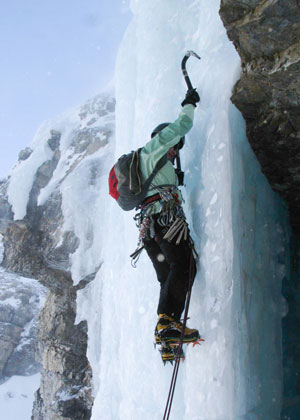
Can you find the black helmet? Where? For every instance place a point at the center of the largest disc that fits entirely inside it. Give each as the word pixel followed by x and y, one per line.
pixel 160 127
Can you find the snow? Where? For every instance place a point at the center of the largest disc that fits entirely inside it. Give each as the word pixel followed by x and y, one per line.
pixel 16 397
pixel 24 173
pixel 1 248
pixel 15 303
pixel 234 217
pixel 25 338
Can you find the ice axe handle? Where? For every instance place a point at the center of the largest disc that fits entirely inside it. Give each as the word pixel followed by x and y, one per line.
pixel 183 67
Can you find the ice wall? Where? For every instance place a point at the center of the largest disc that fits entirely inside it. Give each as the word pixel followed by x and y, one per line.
pixel 238 223
pixel 260 264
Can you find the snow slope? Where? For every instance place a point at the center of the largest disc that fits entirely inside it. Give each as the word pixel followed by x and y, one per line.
pixel 16 397
pixel 238 223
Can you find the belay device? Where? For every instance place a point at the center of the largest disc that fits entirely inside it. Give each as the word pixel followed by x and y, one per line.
pixel 125 178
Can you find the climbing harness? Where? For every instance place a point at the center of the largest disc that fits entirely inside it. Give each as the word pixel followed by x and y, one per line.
pixel 169 209
pixel 171 217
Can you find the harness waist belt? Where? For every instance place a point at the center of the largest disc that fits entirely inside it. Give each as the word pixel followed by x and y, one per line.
pixel 157 197
pixel 150 199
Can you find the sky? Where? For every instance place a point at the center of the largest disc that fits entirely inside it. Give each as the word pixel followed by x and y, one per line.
pixel 55 54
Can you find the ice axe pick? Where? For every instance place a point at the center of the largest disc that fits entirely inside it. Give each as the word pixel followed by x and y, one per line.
pixel 183 67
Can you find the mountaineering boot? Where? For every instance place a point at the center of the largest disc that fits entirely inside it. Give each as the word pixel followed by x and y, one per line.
pixel 168 330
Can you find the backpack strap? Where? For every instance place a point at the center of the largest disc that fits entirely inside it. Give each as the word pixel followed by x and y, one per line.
pixel 134 166
pixel 162 161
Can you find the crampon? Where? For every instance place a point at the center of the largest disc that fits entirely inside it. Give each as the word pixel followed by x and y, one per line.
pixel 170 351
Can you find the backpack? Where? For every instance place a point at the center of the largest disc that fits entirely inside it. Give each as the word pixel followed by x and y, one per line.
pixel 125 184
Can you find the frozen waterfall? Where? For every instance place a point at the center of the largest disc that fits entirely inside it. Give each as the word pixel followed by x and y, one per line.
pixel 235 218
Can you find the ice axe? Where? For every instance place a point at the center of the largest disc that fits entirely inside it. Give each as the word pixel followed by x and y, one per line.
pixel 180 173
pixel 183 68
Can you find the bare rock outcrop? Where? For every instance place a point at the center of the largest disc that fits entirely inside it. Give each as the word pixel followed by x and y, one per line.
pixel 266 34
pixel 21 300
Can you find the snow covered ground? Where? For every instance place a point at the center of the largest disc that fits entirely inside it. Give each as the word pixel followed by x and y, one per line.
pixel 238 223
pixel 16 397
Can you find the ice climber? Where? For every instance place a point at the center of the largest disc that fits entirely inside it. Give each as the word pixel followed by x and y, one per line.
pixel 163 228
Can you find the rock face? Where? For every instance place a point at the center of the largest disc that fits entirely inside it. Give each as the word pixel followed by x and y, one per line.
pixel 20 303
pixel 266 34
pixel 21 300
pixel 65 390
pixel 39 246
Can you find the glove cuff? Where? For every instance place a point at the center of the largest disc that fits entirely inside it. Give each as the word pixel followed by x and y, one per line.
pixel 188 102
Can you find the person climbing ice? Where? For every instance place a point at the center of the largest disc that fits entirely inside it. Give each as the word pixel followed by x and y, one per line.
pixel 163 228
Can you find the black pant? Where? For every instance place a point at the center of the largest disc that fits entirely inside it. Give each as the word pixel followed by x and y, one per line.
pixel 173 264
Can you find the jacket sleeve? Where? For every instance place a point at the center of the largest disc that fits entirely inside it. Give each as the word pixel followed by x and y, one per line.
pixel 159 145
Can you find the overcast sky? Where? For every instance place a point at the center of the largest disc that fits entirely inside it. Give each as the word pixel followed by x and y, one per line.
pixel 55 54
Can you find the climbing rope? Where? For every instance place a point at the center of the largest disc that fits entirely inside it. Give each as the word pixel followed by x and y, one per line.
pixel 177 359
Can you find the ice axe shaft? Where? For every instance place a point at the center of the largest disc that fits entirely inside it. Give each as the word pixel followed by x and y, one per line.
pixel 183 68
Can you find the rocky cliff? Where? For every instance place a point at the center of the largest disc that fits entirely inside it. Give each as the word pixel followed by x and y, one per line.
pixel 266 34
pixel 21 300
pixel 20 303
pixel 39 245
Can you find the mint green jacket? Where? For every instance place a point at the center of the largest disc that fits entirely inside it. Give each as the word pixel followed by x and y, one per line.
pixel 158 146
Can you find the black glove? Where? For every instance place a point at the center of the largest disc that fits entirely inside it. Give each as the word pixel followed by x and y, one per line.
pixel 191 97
